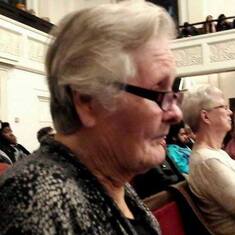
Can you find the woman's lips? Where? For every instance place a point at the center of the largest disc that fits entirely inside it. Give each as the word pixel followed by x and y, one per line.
pixel 163 142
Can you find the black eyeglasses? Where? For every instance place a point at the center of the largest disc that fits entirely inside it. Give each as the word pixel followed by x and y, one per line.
pixel 165 99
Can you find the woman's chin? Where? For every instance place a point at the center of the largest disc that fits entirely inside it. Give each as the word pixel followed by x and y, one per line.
pixel 161 156
pixel 158 156
pixel 155 156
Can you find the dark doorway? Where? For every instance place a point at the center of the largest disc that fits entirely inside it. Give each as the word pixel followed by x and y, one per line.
pixel 171 6
pixel 232 104
pixel 176 84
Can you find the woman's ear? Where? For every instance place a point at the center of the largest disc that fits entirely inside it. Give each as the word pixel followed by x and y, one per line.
pixel 204 116
pixel 84 108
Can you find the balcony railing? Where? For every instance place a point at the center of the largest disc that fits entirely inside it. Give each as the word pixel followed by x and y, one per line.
pixel 204 27
pixel 25 17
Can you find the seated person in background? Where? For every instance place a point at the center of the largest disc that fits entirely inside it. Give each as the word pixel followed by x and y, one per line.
pixel 110 73
pixel 177 148
pixel 209 25
pixel 157 179
pixel 191 136
pixel 4 158
pixel 229 145
pixel 233 24
pixel 9 145
pixel 222 23
pixel 212 172
pixel 45 132
pixel 189 30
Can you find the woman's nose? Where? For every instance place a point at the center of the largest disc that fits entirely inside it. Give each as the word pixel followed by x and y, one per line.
pixel 230 112
pixel 173 115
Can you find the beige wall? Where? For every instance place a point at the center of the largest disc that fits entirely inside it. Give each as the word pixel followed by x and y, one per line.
pixel 189 10
pixel 57 9
pixel 197 10
pixel 224 81
pixel 227 84
pixel 218 7
pixel 27 105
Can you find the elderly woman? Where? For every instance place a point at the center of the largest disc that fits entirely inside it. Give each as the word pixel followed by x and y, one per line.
pixel 110 73
pixel 212 171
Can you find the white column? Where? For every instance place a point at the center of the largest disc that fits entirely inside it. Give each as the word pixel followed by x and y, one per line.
pixel 3 92
pixel 33 4
pixel 196 11
pixel 215 8
pixel 191 11
pixel 183 11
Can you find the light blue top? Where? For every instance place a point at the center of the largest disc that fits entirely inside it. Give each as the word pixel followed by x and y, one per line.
pixel 180 156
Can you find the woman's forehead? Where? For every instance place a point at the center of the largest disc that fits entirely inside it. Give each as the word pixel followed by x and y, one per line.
pixel 219 99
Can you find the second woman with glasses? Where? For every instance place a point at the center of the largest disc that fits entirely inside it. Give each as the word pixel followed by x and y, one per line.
pixel 212 171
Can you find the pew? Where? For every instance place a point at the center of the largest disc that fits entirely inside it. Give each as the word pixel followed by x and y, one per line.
pixel 176 211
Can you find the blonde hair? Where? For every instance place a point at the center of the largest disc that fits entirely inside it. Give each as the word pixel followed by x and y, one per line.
pixel 92 49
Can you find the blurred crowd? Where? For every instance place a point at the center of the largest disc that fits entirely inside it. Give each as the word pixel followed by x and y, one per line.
pixel 22 5
pixel 210 25
pixel 10 150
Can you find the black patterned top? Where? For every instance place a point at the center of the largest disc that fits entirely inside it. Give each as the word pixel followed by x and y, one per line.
pixel 51 192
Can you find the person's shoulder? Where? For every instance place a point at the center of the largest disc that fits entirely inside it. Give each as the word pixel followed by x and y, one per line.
pixel 37 169
pixel 203 153
pixel 176 151
pixel 204 156
pixel 25 173
pixel 197 157
pixel 21 147
pixel 172 147
pixel 4 158
pixel 35 189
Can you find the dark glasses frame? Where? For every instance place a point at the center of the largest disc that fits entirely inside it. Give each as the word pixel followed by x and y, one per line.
pixel 165 99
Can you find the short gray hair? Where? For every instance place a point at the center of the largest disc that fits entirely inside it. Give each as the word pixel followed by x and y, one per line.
pixel 91 51
pixel 195 100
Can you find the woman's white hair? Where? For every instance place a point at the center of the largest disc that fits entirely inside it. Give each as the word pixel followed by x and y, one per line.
pixel 197 99
pixel 92 49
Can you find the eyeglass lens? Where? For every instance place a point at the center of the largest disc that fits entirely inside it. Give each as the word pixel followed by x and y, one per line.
pixel 170 99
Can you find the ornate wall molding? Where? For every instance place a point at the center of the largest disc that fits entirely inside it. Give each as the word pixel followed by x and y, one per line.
pixel 188 56
pixel 36 50
pixel 22 46
pixel 204 54
pixel 222 51
pixel 9 43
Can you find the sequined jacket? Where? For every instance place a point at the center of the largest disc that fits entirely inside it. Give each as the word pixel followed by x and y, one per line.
pixel 52 192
